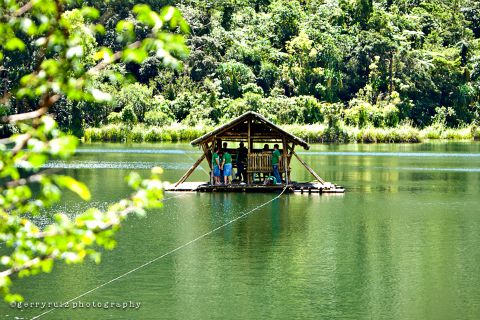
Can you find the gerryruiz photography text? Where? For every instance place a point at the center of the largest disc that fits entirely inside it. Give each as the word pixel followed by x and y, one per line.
pixel 122 305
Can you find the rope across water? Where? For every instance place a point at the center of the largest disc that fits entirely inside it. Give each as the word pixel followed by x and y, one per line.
pixel 167 253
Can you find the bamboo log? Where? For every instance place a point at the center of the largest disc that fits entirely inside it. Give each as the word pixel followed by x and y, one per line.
pixel 284 156
pixel 289 158
pixel 313 173
pixel 249 151
pixel 206 151
pixel 189 172
pixel 212 150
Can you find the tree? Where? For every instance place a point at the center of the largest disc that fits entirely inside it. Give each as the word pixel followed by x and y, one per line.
pixel 59 37
pixel 233 76
pixel 364 11
pixel 286 17
pixel 321 48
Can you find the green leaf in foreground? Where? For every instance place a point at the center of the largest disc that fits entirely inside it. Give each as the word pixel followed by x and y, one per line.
pixel 73 185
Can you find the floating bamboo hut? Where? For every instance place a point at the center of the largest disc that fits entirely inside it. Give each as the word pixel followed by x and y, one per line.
pixel 253 129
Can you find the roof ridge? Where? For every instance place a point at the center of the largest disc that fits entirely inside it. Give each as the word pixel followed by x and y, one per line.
pixel 237 120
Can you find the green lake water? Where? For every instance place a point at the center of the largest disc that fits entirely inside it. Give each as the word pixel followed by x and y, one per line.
pixel 403 242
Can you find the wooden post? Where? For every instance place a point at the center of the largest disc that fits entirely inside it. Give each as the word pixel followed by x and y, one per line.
pixel 206 152
pixel 212 150
pixel 249 142
pixel 309 169
pixel 189 172
pixel 285 165
pixel 205 149
pixel 289 159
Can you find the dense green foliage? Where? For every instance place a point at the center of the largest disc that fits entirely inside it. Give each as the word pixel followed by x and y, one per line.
pixel 375 63
pixel 52 63
pixel 312 133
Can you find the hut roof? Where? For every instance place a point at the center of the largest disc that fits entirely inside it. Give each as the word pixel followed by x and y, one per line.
pixel 262 130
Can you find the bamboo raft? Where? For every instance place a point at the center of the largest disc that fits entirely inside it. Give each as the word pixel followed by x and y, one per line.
pixel 300 188
pixel 252 128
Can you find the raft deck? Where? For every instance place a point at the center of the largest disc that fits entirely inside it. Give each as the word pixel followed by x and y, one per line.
pixel 294 187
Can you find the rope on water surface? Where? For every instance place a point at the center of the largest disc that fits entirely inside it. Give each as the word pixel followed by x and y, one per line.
pixel 169 252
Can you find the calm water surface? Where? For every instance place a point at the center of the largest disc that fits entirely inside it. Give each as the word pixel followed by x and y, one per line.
pixel 402 243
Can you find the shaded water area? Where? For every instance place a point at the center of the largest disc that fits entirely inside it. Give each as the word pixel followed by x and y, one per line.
pixel 403 242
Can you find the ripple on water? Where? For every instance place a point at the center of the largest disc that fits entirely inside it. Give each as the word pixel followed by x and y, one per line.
pixel 135 151
pixel 129 165
pixel 322 153
pixel 428 169
pixel 392 154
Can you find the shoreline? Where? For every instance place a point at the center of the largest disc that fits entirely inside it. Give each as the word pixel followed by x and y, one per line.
pixel 317 133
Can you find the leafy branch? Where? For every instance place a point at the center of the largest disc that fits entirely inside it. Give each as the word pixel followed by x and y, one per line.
pixel 67 63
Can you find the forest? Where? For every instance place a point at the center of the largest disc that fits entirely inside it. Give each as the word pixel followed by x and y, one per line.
pixel 330 70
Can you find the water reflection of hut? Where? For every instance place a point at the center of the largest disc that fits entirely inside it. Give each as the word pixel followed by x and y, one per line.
pixel 254 130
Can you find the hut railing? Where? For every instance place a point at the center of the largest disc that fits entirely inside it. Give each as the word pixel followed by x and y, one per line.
pixel 262 163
